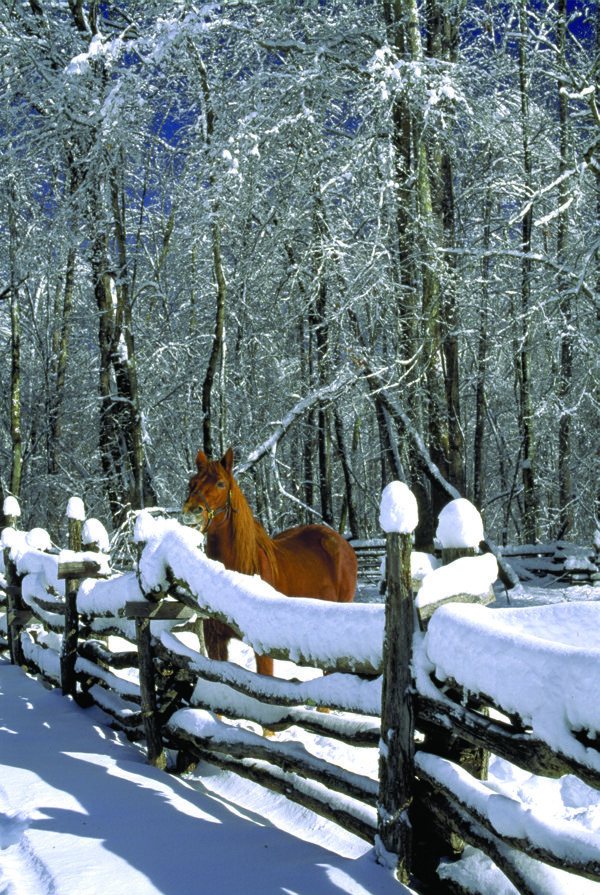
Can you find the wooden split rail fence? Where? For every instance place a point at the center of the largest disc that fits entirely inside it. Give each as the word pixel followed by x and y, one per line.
pixel 154 686
pixel 561 560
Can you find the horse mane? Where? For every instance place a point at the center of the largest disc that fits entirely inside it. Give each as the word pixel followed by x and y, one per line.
pixel 250 537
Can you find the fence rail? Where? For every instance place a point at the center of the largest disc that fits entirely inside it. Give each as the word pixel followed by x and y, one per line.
pixel 61 611
pixel 560 560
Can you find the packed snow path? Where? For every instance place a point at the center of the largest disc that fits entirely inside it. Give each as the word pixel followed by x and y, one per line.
pixel 81 811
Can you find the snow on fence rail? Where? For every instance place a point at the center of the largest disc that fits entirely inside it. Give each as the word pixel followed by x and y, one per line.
pixel 559 559
pixel 539 668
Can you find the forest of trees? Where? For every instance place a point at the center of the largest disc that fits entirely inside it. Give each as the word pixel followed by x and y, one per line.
pixel 355 239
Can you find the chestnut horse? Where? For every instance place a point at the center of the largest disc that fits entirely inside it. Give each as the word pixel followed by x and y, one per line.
pixel 306 561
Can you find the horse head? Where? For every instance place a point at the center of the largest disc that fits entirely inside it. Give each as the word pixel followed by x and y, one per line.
pixel 209 490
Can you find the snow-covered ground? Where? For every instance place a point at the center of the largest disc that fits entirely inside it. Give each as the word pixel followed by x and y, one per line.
pixel 81 811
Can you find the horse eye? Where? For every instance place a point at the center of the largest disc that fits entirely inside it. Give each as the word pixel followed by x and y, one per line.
pixel 221 485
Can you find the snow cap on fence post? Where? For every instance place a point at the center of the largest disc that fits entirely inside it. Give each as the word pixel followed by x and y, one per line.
pixel 460 525
pixel 76 509
pixel 95 536
pixel 398 511
pixel 144 528
pixel 12 511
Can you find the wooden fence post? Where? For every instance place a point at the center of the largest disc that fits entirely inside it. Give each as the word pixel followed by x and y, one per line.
pixel 473 758
pixel 156 755
pixel 143 634
pixel 449 554
pixel 442 839
pixel 396 760
pixel 14 602
pixel 16 611
pixel 68 656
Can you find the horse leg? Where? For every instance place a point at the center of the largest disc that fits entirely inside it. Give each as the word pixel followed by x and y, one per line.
pixel 216 638
pixel 264 665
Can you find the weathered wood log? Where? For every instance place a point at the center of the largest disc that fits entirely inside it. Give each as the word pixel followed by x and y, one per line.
pixel 51 620
pixel 48 605
pixel 470 832
pixel 590 869
pixel 128 718
pixel 156 755
pixel 396 769
pixel 77 569
pixel 353 734
pixel 15 605
pixel 19 618
pixel 168 609
pixel 360 824
pixel 446 742
pixel 87 672
pixel 95 651
pixel 426 611
pixel 520 748
pixel 456 693
pixel 100 626
pixel 13 590
pixel 344 664
pixel 279 692
pixel 173 691
pixel 290 757
pixel 449 554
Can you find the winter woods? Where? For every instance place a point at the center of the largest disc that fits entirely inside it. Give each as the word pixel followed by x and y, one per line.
pixel 356 240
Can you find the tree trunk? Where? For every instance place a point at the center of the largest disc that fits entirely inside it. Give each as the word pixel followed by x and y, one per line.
pixel 217 352
pixel 107 434
pixel 59 366
pixel 530 507
pixel 60 338
pixel 442 43
pixel 482 359
pixel 403 251
pixel 349 482
pixel 597 270
pixel 429 237
pixel 15 354
pixel 565 312
pixel 320 330
pixel 124 363
pixel 218 346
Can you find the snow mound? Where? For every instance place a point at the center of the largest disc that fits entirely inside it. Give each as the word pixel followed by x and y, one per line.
pixel 398 510
pixel 11 507
pixel 94 532
pixel 473 575
pixel 541 663
pixel 460 525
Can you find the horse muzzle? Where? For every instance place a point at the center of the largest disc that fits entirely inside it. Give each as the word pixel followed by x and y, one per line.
pixel 196 518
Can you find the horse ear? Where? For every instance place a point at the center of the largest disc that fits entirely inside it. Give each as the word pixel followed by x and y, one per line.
pixel 227 460
pixel 201 461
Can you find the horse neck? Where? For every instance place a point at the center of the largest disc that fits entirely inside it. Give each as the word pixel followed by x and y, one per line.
pixel 234 543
